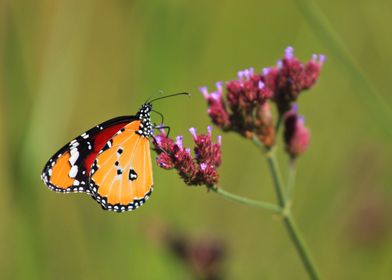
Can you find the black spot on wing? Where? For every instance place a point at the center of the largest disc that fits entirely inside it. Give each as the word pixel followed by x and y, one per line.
pixel 132 175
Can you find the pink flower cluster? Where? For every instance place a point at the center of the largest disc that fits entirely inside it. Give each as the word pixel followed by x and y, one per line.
pixel 245 108
pixel 200 169
pixel 245 99
pixel 290 77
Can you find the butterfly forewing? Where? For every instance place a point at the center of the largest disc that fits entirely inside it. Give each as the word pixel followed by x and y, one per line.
pixel 68 170
pixel 121 176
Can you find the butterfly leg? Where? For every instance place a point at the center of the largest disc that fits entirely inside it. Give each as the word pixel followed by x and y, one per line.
pixel 160 114
pixel 163 127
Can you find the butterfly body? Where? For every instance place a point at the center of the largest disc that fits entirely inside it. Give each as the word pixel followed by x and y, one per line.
pixel 111 162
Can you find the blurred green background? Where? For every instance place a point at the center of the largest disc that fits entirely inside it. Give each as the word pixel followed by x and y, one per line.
pixel 68 65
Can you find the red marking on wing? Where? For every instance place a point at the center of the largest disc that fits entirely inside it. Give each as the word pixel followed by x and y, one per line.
pixel 99 141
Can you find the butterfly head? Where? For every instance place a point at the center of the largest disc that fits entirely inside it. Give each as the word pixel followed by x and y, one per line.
pixel 144 115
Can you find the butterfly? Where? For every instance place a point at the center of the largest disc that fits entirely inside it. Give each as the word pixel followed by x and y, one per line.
pixel 111 162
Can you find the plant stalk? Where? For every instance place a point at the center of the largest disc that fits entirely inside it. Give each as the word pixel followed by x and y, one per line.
pixel 291 180
pixel 250 202
pixel 301 247
pixel 288 220
pixel 276 177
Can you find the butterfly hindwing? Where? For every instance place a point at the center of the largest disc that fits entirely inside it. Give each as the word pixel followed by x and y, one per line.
pixel 68 170
pixel 121 175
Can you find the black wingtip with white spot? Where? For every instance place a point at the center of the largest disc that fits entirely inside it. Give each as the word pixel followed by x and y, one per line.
pixel 79 185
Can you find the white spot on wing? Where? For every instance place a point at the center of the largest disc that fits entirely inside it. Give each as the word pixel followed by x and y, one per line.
pixel 74 170
pixel 74 156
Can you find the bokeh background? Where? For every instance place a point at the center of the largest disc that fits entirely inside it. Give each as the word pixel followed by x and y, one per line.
pixel 68 65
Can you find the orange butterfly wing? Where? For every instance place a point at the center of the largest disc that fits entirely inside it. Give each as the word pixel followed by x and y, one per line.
pixel 121 176
pixel 68 169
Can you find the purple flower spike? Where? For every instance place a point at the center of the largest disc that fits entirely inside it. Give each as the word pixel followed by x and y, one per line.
pixel 240 75
pixel 322 59
pixel 247 74
pixel 279 64
pixel 192 130
pixel 216 95
pixel 266 70
pixel 179 141
pixel 203 166
pixel 220 140
pixel 261 85
pixel 204 91
pixel 289 52
pixel 158 139
pixel 209 129
pixel 219 86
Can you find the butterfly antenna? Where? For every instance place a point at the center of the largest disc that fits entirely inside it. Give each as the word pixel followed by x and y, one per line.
pixel 153 95
pixel 170 95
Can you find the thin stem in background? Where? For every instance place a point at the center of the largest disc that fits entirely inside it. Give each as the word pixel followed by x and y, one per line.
pixel 324 30
pixel 292 172
pixel 246 201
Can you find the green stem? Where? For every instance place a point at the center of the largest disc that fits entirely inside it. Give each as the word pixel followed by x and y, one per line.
pixel 276 177
pixel 300 245
pixel 331 39
pixel 278 122
pixel 288 220
pixel 247 201
pixel 291 180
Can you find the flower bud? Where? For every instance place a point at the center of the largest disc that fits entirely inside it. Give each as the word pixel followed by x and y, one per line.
pixel 296 135
pixel 265 127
